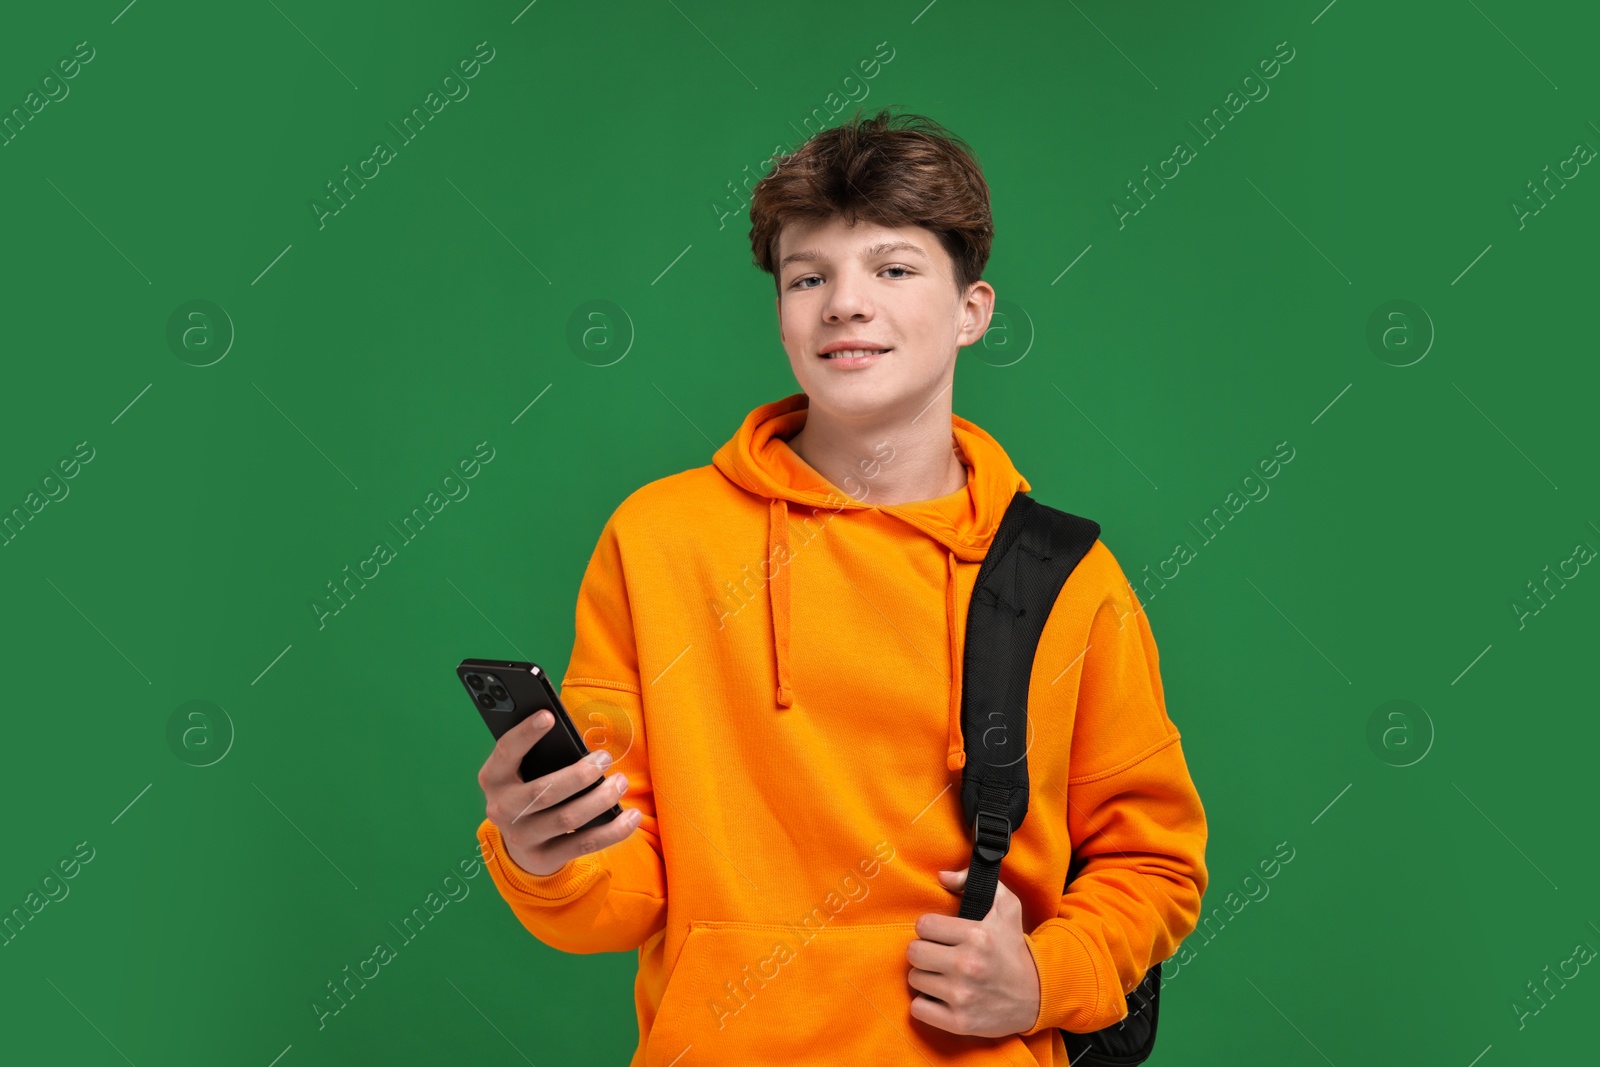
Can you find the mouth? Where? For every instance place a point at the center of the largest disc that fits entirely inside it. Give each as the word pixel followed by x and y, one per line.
pixel 854 357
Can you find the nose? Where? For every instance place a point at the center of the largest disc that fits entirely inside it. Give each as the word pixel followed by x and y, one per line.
pixel 848 299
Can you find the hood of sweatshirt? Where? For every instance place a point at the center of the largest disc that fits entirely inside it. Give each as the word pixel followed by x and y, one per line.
pixel 759 460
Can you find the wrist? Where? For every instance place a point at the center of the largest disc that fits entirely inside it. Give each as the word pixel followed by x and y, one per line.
pixel 528 865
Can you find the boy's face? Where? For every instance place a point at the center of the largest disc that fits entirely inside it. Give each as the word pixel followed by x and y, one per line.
pixel 900 298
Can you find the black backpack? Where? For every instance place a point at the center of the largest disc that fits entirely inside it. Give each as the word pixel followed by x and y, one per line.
pixel 1033 553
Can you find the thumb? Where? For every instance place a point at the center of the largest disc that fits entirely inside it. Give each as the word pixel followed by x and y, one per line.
pixel 1007 907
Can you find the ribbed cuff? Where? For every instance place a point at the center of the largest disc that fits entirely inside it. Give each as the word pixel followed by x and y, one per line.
pixel 1070 995
pixel 571 879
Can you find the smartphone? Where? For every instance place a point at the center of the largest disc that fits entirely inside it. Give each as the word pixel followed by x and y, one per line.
pixel 506 692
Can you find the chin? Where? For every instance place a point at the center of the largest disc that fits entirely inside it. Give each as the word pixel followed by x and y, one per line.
pixel 850 398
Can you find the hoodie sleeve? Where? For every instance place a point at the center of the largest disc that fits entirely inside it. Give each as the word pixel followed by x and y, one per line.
pixel 1137 827
pixel 613 900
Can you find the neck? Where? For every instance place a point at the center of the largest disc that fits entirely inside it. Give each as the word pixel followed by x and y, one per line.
pixel 885 459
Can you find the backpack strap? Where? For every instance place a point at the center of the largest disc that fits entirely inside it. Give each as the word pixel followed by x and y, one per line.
pixel 1033 553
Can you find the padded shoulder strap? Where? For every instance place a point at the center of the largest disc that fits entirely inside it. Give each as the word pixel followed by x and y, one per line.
pixel 1033 553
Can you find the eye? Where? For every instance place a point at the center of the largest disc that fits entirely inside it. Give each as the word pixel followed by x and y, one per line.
pixel 796 284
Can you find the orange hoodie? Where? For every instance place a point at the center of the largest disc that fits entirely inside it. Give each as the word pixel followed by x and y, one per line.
pixel 777 670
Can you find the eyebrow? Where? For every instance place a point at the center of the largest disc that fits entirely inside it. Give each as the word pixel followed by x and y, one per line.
pixel 811 255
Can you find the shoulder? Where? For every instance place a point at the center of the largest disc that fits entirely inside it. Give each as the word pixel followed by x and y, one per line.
pixel 675 508
pixel 1096 586
pixel 1096 591
pixel 1102 563
pixel 1098 576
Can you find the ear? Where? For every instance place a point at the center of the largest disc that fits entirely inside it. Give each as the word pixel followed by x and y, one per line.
pixel 977 308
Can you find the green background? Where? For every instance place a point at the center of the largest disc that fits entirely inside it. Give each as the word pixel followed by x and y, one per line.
pixel 597 157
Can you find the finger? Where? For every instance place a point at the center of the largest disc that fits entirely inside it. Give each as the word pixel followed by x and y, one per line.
pixel 955 881
pixel 536 834
pixel 571 846
pixel 931 957
pixel 934 1013
pixel 1007 906
pixel 503 764
pixel 945 929
pixel 938 986
pixel 569 815
pixel 547 791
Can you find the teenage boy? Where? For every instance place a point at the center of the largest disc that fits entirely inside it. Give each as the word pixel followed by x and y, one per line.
pixel 775 641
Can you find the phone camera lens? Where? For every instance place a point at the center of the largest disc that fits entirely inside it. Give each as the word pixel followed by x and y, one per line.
pixel 486 701
pixel 497 693
pixel 475 681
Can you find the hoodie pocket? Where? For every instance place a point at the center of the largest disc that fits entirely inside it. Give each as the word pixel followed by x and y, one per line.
pixel 766 993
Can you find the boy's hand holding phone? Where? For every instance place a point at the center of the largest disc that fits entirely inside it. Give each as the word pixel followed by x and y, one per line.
pixel 534 823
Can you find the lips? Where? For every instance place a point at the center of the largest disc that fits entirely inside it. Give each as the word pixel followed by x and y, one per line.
pixel 854 359
pixel 849 353
pixel 853 344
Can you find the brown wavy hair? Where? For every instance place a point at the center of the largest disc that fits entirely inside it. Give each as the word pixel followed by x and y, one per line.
pixel 893 170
